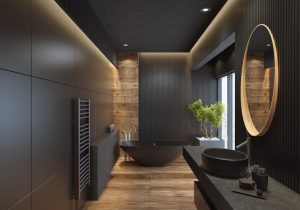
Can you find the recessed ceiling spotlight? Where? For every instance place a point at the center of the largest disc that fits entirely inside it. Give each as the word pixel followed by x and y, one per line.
pixel 268 45
pixel 206 9
pixel 125 45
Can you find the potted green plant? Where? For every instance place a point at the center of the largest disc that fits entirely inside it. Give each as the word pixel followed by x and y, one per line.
pixel 210 118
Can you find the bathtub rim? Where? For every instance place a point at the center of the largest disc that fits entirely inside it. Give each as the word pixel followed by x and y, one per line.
pixel 141 143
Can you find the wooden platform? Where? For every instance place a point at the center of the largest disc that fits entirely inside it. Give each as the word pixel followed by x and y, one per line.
pixel 134 187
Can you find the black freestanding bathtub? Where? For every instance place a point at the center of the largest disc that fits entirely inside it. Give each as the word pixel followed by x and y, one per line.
pixel 152 153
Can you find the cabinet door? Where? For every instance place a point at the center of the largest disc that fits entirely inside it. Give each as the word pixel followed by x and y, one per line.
pixel 199 200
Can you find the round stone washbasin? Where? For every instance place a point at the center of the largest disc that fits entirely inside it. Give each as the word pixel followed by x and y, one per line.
pixel 225 162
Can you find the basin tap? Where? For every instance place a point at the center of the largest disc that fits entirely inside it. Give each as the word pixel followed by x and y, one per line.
pixel 246 144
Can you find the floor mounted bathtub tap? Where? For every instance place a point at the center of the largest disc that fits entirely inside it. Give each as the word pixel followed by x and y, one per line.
pixel 127 138
pixel 246 144
pixel 132 127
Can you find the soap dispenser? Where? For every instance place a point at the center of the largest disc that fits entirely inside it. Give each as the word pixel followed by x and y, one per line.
pixel 262 179
pixel 254 171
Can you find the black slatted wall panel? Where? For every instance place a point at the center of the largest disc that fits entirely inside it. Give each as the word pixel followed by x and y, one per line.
pixel 164 94
pixel 279 149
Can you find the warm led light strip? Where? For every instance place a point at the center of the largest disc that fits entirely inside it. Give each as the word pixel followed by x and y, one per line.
pixel 58 13
pixel 214 27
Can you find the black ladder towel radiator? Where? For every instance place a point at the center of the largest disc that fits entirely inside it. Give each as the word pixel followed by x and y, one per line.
pixel 82 166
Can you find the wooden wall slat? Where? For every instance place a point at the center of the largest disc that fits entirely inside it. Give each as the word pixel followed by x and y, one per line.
pixel 126 90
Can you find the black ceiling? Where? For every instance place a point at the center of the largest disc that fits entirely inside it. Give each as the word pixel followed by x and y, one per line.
pixel 155 25
pixel 260 40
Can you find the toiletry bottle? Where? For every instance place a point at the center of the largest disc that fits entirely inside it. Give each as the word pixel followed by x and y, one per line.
pixel 262 179
pixel 254 171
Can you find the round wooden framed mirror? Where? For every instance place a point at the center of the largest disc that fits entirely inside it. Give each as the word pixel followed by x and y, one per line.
pixel 259 81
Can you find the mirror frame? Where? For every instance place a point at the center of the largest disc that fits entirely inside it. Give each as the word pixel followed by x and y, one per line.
pixel 252 130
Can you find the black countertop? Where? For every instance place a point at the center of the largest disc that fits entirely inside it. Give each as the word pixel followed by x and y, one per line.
pixel 219 190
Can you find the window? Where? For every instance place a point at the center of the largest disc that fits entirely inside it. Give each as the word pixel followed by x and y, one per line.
pixel 226 94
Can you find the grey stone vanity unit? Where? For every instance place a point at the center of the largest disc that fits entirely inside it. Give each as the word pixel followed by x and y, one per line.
pixel 216 193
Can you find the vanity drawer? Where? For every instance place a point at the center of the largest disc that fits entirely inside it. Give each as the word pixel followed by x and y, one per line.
pixel 199 199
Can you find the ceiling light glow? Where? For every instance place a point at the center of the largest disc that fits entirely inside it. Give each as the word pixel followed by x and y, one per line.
pixel 206 9
pixel 125 45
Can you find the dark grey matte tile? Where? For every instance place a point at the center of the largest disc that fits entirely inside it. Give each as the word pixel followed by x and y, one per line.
pixel 55 194
pixel 51 130
pixel 15 36
pixel 15 143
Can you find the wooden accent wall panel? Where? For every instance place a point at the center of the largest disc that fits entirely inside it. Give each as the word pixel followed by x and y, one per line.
pixel 258 89
pixel 126 91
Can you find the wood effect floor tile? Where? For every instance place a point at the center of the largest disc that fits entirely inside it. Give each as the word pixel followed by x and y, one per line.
pixel 134 187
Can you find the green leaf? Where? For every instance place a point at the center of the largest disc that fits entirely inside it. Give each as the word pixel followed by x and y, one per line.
pixel 207 114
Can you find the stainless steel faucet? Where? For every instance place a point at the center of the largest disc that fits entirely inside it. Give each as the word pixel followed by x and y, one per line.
pixel 246 144
pixel 132 126
pixel 126 134
pixel 129 131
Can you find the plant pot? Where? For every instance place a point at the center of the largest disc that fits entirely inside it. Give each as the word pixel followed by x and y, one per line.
pixel 211 143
